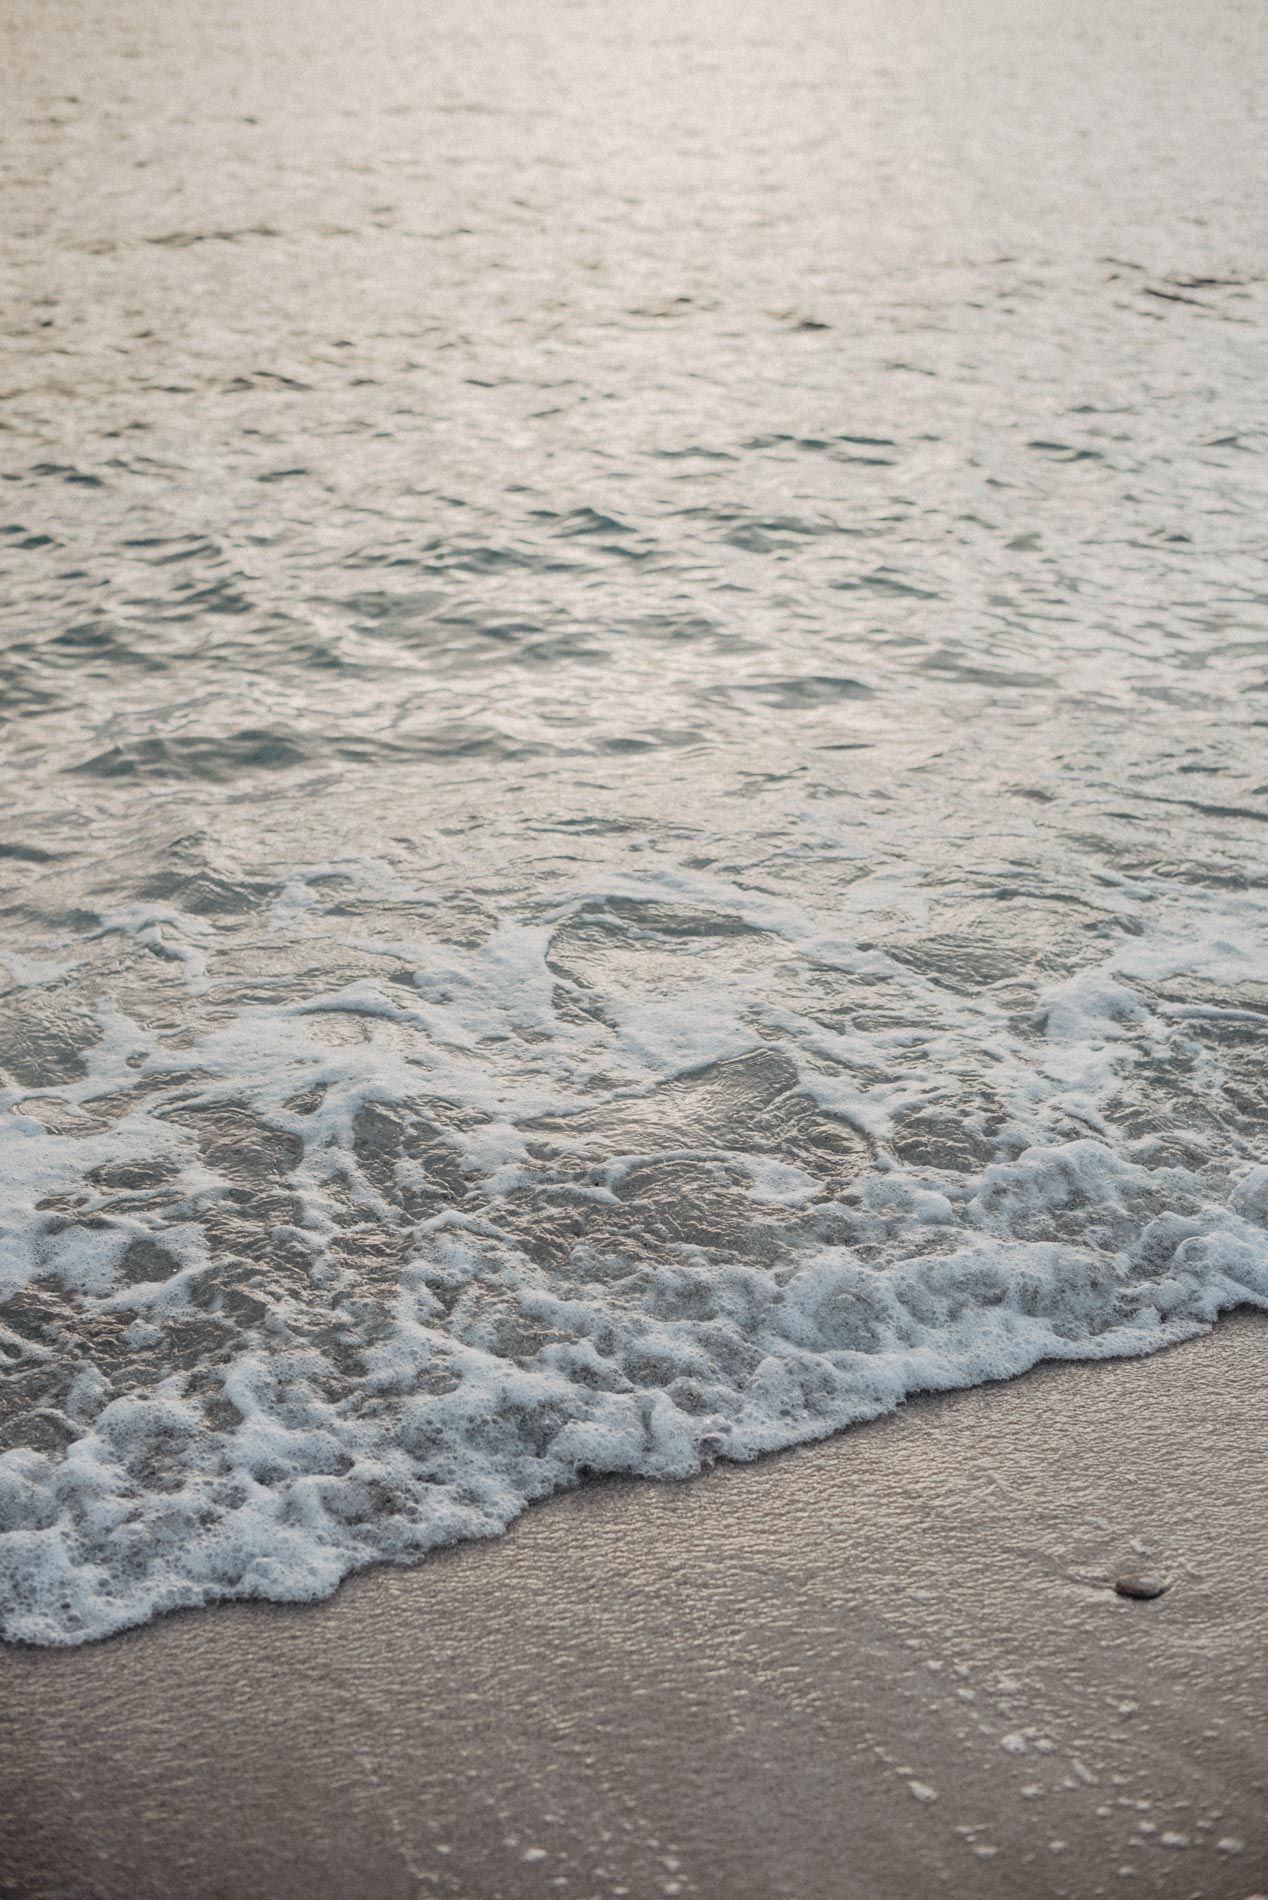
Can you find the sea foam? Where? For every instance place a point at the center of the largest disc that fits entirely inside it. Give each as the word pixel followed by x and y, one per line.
pixel 660 1170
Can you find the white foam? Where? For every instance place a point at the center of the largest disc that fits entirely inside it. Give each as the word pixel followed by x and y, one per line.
pixel 552 1276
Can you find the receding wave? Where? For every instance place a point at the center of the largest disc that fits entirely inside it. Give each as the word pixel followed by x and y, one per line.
pixel 420 1222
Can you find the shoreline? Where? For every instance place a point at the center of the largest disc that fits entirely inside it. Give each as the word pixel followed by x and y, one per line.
pixel 887 1664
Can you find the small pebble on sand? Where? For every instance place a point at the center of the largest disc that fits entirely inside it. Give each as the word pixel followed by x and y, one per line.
pixel 1140 1583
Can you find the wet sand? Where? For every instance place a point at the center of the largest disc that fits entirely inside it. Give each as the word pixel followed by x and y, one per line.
pixel 889 1665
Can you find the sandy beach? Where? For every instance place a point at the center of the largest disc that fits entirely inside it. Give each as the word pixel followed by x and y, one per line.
pixel 892 1664
pixel 632 693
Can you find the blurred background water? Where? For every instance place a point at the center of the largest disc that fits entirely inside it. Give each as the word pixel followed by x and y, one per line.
pixel 634 700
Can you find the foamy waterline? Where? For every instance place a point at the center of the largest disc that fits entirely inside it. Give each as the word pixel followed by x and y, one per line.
pixel 660 1169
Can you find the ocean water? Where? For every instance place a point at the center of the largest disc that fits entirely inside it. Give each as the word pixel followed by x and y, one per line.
pixel 635 726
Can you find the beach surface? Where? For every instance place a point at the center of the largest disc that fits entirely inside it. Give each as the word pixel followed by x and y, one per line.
pixel 891 1664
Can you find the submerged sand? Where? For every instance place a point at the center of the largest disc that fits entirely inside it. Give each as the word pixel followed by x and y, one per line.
pixel 892 1664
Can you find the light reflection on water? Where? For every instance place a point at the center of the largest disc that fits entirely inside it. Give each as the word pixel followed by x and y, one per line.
pixel 635 634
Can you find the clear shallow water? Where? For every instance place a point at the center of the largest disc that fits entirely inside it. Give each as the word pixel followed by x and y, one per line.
pixel 634 686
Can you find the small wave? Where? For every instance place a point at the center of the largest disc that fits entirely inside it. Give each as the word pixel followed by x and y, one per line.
pixel 424 1216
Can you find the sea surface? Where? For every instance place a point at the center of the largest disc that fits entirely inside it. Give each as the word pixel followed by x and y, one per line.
pixel 634 693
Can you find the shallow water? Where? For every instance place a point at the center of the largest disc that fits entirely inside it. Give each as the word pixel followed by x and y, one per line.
pixel 634 691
